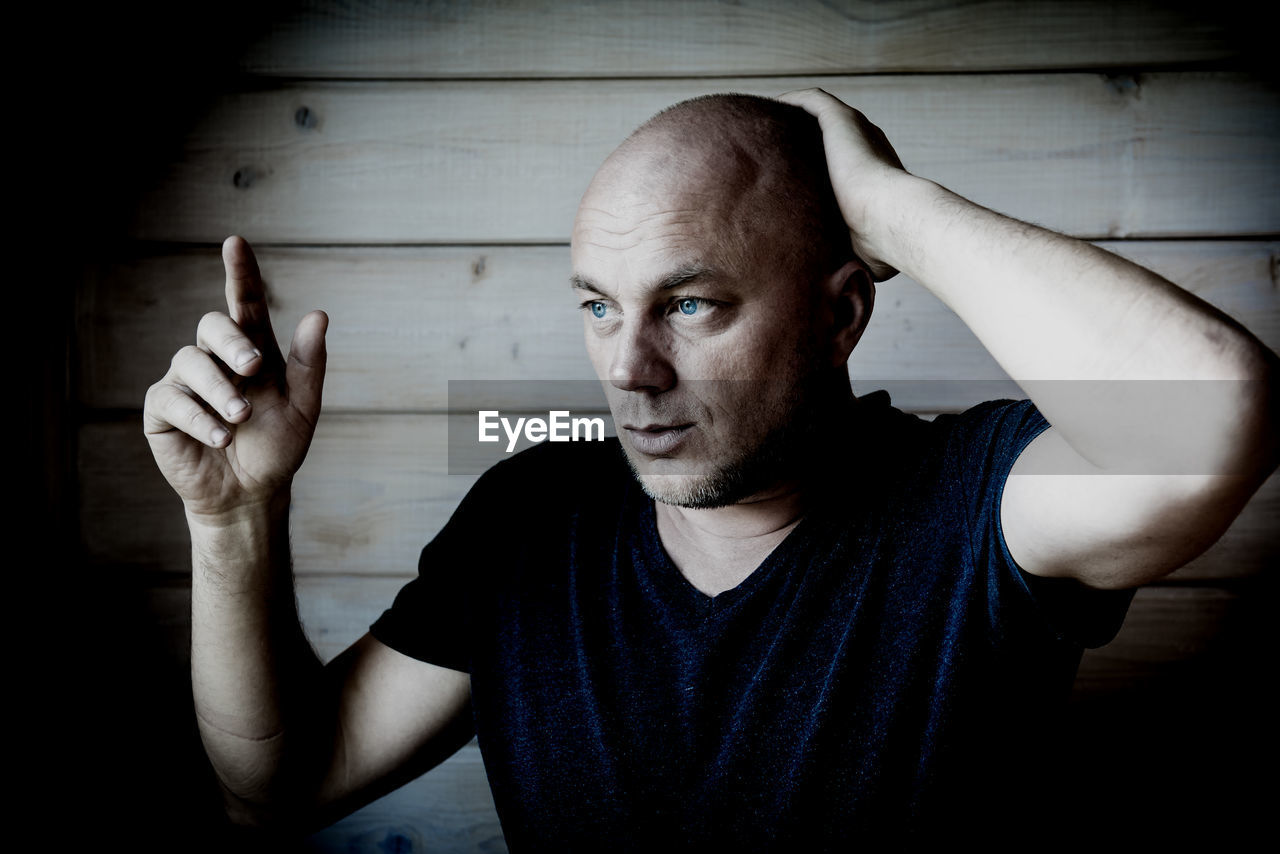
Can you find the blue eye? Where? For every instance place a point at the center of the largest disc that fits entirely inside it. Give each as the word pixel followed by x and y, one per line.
pixel 688 305
pixel 598 309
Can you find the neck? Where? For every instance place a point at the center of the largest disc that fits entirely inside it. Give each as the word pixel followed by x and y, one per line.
pixel 760 516
pixel 715 550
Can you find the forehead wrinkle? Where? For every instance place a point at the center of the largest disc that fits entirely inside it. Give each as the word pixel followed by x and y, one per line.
pixel 674 216
pixel 669 226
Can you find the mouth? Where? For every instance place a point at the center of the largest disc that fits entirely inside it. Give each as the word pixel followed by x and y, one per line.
pixel 655 440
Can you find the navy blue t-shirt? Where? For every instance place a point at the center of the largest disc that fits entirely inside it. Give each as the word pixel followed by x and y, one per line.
pixel 887 669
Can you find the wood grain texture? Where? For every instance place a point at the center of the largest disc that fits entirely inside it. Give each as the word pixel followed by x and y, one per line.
pixel 1165 154
pixel 1164 627
pixel 405 321
pixel 516 38
pixel 447 127
pixel 375 489
pixel 372 492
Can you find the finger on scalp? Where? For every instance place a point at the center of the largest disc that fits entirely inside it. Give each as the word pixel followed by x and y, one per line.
pixel 798 96
pixel 219 335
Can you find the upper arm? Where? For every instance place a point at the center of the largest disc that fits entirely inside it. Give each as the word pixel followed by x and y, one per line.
pixel 1110 530
pixel 396 718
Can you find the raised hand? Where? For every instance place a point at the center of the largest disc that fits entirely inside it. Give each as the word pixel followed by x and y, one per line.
pixel 231 421
pixel 861 163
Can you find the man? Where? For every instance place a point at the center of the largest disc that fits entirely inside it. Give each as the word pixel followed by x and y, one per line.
pixel 773 612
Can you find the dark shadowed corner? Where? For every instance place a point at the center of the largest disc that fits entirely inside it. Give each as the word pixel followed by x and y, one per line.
pixel 106 739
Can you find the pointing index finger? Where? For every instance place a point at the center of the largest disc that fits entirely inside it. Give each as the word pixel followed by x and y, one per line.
pixel 247 296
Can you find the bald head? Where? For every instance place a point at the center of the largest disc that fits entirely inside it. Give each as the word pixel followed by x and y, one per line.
pixel 720 296
pixel 756 164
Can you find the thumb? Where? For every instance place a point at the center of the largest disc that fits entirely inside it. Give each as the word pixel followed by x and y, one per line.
pixel 304 372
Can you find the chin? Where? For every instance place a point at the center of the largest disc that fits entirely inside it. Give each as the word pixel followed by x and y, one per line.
pixel 685 490
pixel 702 490
pixel 706 473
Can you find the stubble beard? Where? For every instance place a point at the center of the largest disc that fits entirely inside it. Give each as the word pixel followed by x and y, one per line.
pixel 785 453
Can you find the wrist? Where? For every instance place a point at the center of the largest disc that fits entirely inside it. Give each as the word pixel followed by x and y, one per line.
pixel 249 513
pixel 888 234
pixel 241 548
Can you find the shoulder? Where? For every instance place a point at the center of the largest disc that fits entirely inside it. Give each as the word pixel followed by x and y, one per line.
pixel 990 434
pixel 989 416
pixel 884 438
pixel 948 460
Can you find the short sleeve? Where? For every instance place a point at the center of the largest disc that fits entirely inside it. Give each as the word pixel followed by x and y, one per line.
pixel 985 443
pixel 431 617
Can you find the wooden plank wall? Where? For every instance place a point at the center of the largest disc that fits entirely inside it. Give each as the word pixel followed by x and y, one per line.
pixel 413 169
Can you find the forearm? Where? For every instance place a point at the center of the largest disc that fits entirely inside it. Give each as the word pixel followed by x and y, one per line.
pixel 255 678
pixel 1052 309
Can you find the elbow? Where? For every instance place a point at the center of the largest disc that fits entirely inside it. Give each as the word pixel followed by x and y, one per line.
pixel 1258 408
pixel 1230 433
pixel 245 814
pixel 1268 428
pixel 263 790
pixel 1253 452
pixel 255 802
pixel 270 818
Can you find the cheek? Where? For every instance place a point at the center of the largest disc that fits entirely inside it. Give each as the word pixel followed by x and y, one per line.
pixel 596 347
pixel 769 347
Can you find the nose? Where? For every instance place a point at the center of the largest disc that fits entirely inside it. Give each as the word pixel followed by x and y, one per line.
pixel 640 361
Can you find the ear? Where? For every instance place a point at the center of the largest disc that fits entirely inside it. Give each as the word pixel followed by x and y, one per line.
pixel 851 293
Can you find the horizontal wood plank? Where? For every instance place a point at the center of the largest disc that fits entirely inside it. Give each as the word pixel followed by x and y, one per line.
pixel 1165 625
pixel 1166 154
pixel 376 488
pixel 514 38
pixel 372 492
pixel 406 321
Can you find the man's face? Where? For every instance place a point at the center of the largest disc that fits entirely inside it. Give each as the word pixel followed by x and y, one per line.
pixel 699 327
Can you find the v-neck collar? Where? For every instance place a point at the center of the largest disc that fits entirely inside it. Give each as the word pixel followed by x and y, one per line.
pixel 658 567
pixel 659 571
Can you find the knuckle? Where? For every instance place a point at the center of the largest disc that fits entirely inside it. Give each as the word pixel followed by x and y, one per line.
pixel 233 339
pixel 155 394
pixel 209 324
pixel 224 388
pixel 184 355
pixel 193 413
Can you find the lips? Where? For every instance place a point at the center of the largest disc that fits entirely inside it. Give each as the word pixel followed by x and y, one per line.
pixel 656 440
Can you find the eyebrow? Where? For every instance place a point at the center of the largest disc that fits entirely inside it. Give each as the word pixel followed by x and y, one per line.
pixel 678 277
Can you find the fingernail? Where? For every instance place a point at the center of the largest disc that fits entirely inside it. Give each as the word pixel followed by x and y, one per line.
pixel 236 405
pixel 219 435
pixel 245 357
